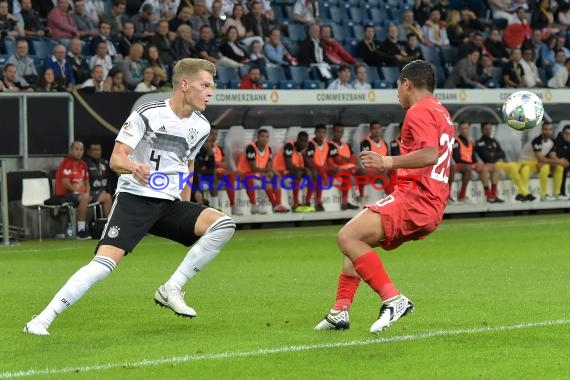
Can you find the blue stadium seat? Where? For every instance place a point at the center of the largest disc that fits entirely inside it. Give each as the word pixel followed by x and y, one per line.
pixel 497 74
pixel 358 32
pixel 311 85
pixel 337 14
pixel 234 84
pixel 492 83
pixel 356 14
pixel 338 32
pixel 431 55
pixel 299 74
pixel 450 55
pixel 43 48
pixel 324 10
pixel 275 74
pixel 378 15
pixel 9 46
pixel 543 76
pixel 294 49
pixel 380 33
pixel 288 85
pixel 226 74
pixel 381 84
pixel 297 32
pixel 390 73
pixel 3 59
pixel 279 16
pixel 372 73
pixel 267 85
pixel 219 84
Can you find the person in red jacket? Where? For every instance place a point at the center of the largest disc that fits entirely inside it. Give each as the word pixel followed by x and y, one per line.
pixel 334 51
pixel 251 80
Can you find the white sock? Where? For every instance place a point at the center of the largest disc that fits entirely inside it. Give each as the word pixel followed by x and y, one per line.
pixel 204 251
pixel 216 202
pixel 77 285
pixel 81 225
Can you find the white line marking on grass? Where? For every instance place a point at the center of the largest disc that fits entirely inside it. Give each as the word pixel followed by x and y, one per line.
pixel 279 350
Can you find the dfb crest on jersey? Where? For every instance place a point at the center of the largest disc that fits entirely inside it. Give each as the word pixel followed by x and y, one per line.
pixel 192 136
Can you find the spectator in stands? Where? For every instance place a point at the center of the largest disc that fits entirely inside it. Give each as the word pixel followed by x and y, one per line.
pixel 334 52
pixel 47 82
pixel 535 159
pixel 561 44
pixel 217 20
pixel 495 48
pixel 101 177
pixel 182 18
pixel 560 152
pixel 72 185
pixel 233 49
pixel 469 22
pixel 162 43
pixel 252 80
pixel 342 82
pixel 163 9
pixel 361 81
pixel 306 11
pixel 534 44
pixel 126 38
pixel 144 27
pixel 465 73
pixel 435 30
pixel 513 73
pixel 115 81
pixel 96 82
pixel 412 47
pixel 104 36
pixel 60 23
pixel 392 47
pixel 182 46
pixel 316 159
pixel 312 52
pixel 409 25
pixel 199 17
pixel 95 8
pixel 258 58
pixel 561 79
pixel 236 19
pixel 422 10
pixel 26 73
pixel 207 48
pixel 133 66
pixel 275 52
pixel 563 14
pixel 9 80
pixel 61 67
pixel 256 23
pixel 530 69
pixel 115 17
pixel 85 25
pixel 146 84
pixel 502 9
pixel 518 30
pixel 475 40
pixel 548 55
pixel 341 159
pixel 102 58
pixel 375 143
pixel 9 25
pixel 465 162
pixel 79 64
pixel 289 161
pixel 542 18
pixel 255 162
pixel 31 21
pixel 490 152
pixel 370 50
pixel 455 31
pixel 159 68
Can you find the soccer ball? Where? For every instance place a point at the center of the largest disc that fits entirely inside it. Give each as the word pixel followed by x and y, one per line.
pixel 523 110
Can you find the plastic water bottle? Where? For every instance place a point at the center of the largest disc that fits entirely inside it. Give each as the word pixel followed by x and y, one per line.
pixel 69 231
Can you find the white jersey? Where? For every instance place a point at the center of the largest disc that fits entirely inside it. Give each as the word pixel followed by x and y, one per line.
pixel 166 143
pixel 536 145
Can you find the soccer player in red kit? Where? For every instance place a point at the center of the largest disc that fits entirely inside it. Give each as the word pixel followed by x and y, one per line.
pixel 411 212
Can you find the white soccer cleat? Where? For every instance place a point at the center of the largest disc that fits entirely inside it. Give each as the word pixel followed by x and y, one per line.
pixel 236 210
pixel 256 209
pixel 547 198
pixel 174 300
pixel 390 312
pixel 561 197
pixel 36 327
pixel 334 320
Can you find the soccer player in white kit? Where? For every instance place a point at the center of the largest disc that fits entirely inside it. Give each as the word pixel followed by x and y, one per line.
pixel 154 150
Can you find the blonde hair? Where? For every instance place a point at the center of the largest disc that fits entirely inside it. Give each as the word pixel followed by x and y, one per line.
pixel 183 28
pixel 188 67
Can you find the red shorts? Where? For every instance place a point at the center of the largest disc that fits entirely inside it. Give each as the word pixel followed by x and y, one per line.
pixel 404 217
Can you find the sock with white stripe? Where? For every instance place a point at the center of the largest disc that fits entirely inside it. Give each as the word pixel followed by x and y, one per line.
pixel 77 285
pixel 204 251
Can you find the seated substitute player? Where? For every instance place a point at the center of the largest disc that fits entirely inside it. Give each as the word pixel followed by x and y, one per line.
pixel 316 160
pixel 156 143
pixel 561 152
pixel 72 185
pixel 341 159
pixel 466 161
pixel 100 177
pixel 290 161
pixel 490 152
pixel 255 164
pixel 411 212
pixel 375 143
pixel 535 160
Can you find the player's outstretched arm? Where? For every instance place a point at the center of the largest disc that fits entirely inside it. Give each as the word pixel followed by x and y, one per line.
pixel 422 158
pixel 122 164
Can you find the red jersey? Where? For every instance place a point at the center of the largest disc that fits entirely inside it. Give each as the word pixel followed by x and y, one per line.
pixel 428 124
pixel 75 170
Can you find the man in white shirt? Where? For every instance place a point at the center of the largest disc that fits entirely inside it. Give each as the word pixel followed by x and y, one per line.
pixel 560 79
pixel 342 82
pixel 97 79
pixel 530 69
pixel 361 82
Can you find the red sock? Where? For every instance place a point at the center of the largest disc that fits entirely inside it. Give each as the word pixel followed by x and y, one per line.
pixel 462 192
pixel 344 197
pixel 319 192
pixel 295 196
pixel 370 268
pixel 249 190
pixel 347 286
pixel 231 190
pixel 309 195
pixel 494 190
pixel 277 196
pixel 271 196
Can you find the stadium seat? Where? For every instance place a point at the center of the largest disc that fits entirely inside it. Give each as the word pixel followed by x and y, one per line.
pixel 311 84
pixel 497 73
pixel 267 84
pixel 431 55
pixel 297 32
pixel 382 84
pixel 3 59
pixel 450 55
pixel 355 14
pixel 234 84
pixel 338 32
pixel 372 73
pixel 275 74
pixel 41 48
pixel 9 46
pixel 337 14
pixel 234 144
pixel 390 73
pixel 357 32
pixel 288 85
pixel 219 84
pixel 299 74
pixel 226 74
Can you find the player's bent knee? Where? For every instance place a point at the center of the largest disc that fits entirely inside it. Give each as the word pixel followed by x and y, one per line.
pixel 208 218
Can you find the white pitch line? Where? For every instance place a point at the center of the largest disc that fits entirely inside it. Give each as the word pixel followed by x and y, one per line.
pixel 279 350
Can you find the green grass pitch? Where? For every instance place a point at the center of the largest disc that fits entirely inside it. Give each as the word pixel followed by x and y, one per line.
pixel 491 297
